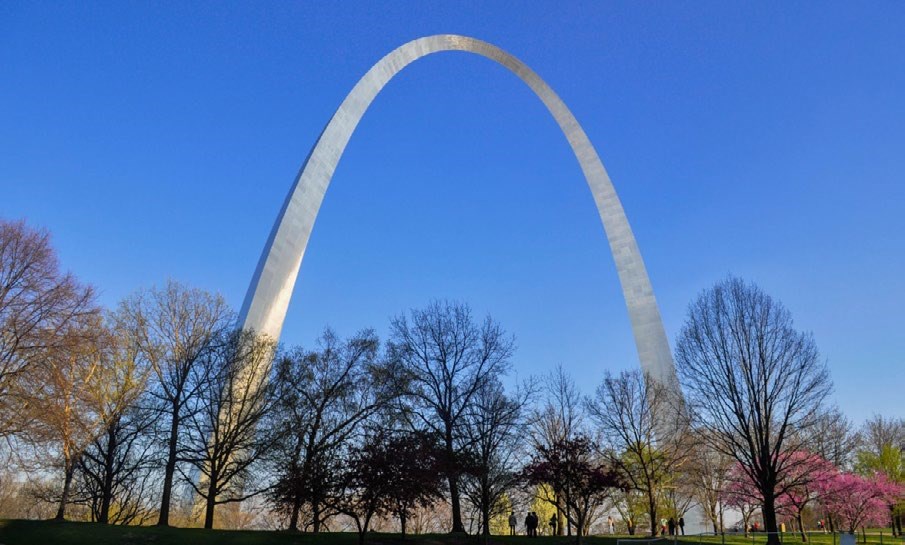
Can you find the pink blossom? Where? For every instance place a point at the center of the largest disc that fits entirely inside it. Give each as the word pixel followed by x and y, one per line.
pixel 858 501
pixel 805 477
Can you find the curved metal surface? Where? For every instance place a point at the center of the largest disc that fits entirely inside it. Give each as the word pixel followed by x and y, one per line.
pixel 271 288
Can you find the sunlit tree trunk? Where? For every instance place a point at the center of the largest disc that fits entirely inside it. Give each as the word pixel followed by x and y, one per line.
pixel 69 462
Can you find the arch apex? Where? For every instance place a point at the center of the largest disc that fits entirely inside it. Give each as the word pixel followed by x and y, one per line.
pixel 268 296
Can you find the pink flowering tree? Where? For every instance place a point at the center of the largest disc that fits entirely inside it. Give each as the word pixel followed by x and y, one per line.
pixel 806 479
pixel 740 493
pixel 858 502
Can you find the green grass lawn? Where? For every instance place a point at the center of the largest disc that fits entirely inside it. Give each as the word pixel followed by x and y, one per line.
pixel 40 532
pixel 874 537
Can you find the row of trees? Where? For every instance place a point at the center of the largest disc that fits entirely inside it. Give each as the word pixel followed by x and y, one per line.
pixel 164 394
pixel 847 500
pixel 123 416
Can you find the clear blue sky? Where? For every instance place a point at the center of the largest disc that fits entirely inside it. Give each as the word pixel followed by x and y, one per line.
pixel 767 140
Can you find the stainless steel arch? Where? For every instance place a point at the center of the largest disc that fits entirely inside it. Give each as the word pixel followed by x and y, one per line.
pixel 271 288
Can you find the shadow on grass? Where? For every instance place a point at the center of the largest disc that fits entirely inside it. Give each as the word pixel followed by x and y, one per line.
pixel 40 532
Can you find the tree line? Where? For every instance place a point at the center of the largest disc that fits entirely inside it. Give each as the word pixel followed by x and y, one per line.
pixel 162 411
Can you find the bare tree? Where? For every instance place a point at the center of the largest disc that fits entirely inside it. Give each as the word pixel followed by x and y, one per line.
pixel 562 413
pixel 38 303
pixel 882 449
pixel 644 425
pixel 325 395
pixel 559 418
pixel 494 428
pixel 679 497
pixel 61 397
pixel 879 431
pixel 756 383
pixel 116 471
pixel 174 329
pixel 224 439
pixel 442 358
pixel 833 438
pixel 708 473
pixel 632 507
pixel 115 466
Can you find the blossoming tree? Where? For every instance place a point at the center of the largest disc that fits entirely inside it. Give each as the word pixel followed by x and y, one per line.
pixel 808 477
pixel 858 502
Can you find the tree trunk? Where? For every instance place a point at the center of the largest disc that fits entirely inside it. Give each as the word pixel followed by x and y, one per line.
pixel 316 515
pixel 485 521
pixel 804 536
pixel 579 526
pixel 770 526
pixel 652 512
pixel 402 522
pixel 209 512
pixel 294 515
pixel 211 502
pixel 453 479
pixel 69 465
pixel 363 530
pixel 568 520
pixel 170 469
pixel 109 459
pixel 713 517
pixel 457 526
pixel 485 513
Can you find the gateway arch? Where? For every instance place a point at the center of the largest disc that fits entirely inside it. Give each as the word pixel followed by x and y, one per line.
pixel 267 300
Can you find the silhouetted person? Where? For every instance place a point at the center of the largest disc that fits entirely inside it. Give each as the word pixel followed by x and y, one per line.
pixel 672 526
pixel 682 525
pixel 513 522
pixel 528 524
pixel 553 524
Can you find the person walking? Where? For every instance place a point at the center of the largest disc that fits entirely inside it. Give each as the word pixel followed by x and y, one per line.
pixel 533 516
pixel 513 522
pixel 672 526
pixel 682 525
pixel 611 525
pixel 528 524
pixel 553 523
